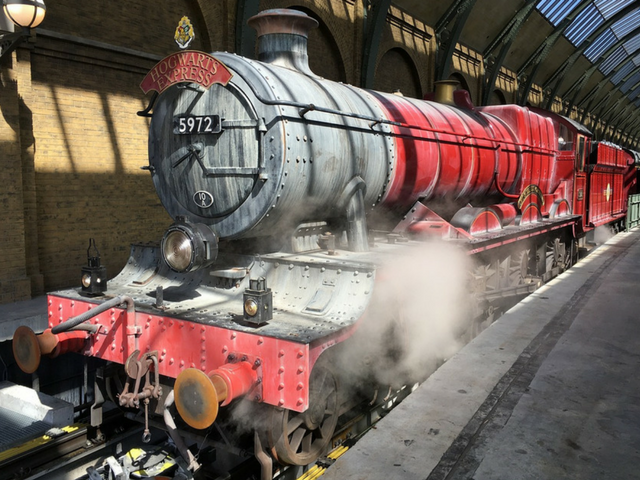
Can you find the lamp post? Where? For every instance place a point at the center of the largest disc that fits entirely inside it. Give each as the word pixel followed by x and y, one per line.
pixel 26 14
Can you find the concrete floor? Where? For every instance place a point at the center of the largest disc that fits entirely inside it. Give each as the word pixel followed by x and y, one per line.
pixel 551 390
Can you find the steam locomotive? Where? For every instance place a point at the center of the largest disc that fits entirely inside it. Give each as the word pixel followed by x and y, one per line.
pixel 287 192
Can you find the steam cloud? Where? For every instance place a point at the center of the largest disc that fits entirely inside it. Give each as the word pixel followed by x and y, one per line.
pixel 421 308
pixel 602 234
pixel 419 315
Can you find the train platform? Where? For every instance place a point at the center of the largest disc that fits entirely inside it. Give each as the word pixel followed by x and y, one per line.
pixel 550 390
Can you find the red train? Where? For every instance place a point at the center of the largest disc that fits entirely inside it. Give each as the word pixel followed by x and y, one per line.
pixel 288 192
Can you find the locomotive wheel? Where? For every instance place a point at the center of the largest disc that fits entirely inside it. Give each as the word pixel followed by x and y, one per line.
pixel 300 438
pixel 555 254
pixel 570 254
pixel 519 268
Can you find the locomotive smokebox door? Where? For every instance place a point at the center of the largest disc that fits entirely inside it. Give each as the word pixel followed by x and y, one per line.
pixel 94 276
pixel 258 304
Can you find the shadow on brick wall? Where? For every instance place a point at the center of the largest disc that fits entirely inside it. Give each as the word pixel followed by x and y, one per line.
pixel 115 210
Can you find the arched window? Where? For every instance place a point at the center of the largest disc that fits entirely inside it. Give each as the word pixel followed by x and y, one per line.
pixel 461 80
pixel 325 59
pixel 497 98
pixel 396 72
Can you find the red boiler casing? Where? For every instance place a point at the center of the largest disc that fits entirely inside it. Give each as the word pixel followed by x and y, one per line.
pixel 453 153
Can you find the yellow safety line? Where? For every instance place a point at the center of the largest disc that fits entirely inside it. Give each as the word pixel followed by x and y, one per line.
pixel 308 475
pixel 36 442
pixel 317 471
pixel 338 452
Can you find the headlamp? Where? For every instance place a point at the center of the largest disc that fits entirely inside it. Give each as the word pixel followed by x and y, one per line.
pixel 187 247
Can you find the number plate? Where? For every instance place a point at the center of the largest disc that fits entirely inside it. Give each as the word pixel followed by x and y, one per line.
pixel 196 124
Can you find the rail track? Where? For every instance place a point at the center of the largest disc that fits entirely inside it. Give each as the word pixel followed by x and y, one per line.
pixel 66 453
pixel 81 452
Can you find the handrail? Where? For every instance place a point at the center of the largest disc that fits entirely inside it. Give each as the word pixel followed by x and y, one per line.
pixel 89 314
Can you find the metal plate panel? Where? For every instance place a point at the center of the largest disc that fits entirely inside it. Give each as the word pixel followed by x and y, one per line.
pixel 17 428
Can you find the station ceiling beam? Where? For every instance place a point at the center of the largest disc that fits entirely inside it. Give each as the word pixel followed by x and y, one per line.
pixel 375 19
pixel 503 41
pixel 529 69
pixel 245 35
pixel 577 87
pixel 609 108
pixel 592 95
pixel 602 103
pixel 623 120
pixel 448 30
pixel 615 118
pixel 554 82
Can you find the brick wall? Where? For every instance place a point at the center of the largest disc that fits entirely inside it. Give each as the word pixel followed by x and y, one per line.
pixel 399 67
pixel 72 145
pixel 90 145
pixel 135 24
pixel 14 283
pixel 334 46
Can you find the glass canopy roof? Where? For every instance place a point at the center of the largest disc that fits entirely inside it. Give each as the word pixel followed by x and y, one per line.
pixel 614 50
pixel 594 74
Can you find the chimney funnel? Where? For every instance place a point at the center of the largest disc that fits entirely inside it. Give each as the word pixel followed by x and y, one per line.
pixel 283 36
pixel 444 91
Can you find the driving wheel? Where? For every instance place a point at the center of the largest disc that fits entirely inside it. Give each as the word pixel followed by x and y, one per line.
pixel 300 438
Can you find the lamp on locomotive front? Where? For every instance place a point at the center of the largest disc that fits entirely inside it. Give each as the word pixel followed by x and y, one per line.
pixel 26 14
pixel 94 275
pixel 186 247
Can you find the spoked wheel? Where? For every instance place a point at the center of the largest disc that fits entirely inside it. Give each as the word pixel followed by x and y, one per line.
pixel 519 268
pixel 570 254
pixel 113 385
pixel 554 253
pixel 300 438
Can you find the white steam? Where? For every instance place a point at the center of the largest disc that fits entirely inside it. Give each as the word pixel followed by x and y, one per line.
pixel 421 308
pixel 602 234
pixel 418 317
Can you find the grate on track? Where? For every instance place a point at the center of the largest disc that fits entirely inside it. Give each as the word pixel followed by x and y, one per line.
pixel 16 428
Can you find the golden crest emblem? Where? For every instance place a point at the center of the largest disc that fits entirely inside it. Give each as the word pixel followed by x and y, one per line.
pixel 184 33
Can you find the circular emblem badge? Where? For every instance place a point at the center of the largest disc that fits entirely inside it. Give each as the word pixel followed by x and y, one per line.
pixel 203 199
